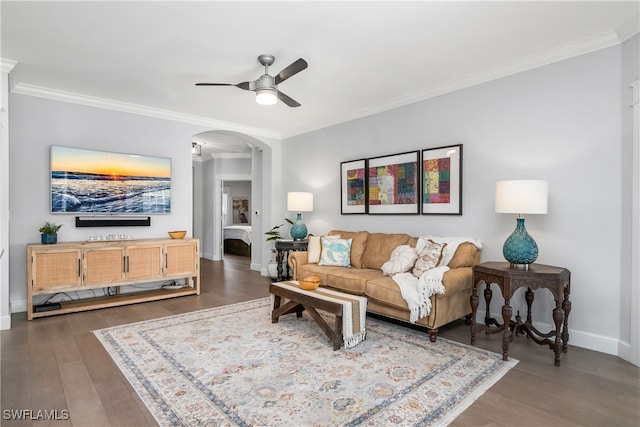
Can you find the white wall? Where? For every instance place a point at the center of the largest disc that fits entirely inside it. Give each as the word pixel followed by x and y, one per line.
pixel 198 208
pixel 5 308
pixel 560 123
pixel 629 295
pixel 38 123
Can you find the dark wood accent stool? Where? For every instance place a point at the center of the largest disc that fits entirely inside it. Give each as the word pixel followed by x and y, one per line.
pixel 556 279
pixel 299 302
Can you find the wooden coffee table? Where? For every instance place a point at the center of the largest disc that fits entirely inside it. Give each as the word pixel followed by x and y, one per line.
pixel 298 302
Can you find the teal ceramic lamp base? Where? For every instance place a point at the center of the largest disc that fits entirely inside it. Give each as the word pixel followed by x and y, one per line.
pixel 298 229
pixel 520 249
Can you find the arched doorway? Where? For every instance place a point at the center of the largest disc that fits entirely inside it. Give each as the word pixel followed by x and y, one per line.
pixel 233 156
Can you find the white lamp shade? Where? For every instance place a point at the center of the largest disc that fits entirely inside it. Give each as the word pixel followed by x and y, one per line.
pixel 522 196
pixel 266 96
pixel 299 202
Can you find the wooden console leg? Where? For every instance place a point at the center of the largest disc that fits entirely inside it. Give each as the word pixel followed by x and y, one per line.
pixel 566 306
pixel 507 312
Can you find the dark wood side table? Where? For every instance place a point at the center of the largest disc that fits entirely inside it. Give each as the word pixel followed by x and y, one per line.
pixel 556 279
pixel 283 247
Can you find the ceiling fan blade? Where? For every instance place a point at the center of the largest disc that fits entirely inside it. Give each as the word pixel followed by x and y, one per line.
pixel 291 70
pixel 243 85
pixel 287 100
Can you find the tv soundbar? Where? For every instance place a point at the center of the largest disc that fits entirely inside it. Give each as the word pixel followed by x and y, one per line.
pixel 113 221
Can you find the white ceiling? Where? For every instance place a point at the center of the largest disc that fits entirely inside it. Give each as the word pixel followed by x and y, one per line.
pixel 364 57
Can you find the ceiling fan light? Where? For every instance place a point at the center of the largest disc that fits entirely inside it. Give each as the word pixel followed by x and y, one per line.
pixel 266 96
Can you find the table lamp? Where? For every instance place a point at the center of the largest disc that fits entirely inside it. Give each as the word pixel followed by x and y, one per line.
pixel 299 202
pixel 521 197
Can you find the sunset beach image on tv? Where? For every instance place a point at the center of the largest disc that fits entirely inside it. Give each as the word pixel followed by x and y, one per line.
pixel 103 182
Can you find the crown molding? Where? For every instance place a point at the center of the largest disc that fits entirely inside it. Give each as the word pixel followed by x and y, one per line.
pixel 6 65
pixel 628 29
pixel 109 104
pixel 571 50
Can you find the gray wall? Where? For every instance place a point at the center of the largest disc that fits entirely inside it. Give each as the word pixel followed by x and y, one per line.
pixel 560 123
pixel 630 61
pixel 38 123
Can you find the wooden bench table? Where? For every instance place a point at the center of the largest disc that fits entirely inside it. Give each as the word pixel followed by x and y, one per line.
pixel 298 302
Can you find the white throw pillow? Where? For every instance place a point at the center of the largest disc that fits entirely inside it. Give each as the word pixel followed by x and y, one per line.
pixel 402 260
pixel 336 252
pixel 315 247
pixel 429 257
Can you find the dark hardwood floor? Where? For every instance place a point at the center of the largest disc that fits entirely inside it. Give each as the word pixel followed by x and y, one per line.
pixel 56 363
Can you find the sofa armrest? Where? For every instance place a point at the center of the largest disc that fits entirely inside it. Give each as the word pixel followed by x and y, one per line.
pixel 457 280
pixel 295 259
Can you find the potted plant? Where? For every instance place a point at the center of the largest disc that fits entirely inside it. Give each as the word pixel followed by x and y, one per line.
pixel 49 233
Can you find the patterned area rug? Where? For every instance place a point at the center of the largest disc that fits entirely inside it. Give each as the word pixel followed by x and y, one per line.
pixel 231 366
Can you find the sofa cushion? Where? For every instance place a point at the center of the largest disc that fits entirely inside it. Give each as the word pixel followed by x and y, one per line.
pixel 351 280
pixel 357 245
pixel 465 256
pixel 315 247
pixel 429 257
pixel 336 252
pixel 402 260
pixel 385 291
pixel 379 247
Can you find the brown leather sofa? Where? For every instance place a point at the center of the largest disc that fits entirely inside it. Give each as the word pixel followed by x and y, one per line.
pixel 365 277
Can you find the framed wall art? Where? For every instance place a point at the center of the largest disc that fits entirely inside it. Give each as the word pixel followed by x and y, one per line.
pixel 353 190
pixel 442 180
pixel 394 184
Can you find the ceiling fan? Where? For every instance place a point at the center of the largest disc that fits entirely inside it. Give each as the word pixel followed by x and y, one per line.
pixel 266 87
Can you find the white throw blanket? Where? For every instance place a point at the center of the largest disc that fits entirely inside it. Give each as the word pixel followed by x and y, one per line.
pixel 417 292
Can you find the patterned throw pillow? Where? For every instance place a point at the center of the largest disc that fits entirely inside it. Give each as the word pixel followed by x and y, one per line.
pixel 336 252
pixel 402 260
pixel 315 248
pixel 429 257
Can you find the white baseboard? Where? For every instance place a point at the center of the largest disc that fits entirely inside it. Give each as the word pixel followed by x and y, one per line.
pixel 5 323
pixel 19 306
pixel 582 339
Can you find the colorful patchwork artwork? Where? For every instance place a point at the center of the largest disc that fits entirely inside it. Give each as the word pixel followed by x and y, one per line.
pixel 437 180
pixel 355 187
pixel 393 184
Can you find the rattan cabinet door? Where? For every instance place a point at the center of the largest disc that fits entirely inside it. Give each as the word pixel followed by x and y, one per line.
pixel 54 269
pixel 144 262
pixel 181 258
pixel 103 266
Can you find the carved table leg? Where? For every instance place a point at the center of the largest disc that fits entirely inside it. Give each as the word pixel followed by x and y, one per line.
pixel 566 306
pixel 279 254
pixel 488 294
pixel 507 312
pixel 558 319
pixel 474 308
pixel 528 296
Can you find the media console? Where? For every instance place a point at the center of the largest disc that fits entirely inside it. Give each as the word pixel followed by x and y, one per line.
pixel 81 266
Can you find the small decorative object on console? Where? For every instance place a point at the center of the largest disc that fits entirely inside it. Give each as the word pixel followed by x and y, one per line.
pixel 177 234
pixel 49 233
pixel 299 202
pixel 521 197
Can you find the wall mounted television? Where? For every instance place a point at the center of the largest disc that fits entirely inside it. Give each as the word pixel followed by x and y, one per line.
pixel 103 182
